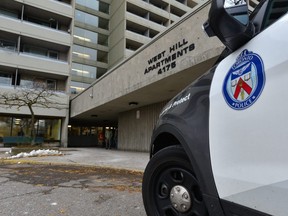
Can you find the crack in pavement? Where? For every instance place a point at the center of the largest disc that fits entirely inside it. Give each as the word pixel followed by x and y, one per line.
pixel 46 191
pixel 72 176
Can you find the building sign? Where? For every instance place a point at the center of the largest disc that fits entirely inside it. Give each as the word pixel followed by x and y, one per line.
pixel 166 59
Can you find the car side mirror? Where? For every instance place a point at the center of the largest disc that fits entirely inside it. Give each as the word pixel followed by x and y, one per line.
pixel 238 9
pixel 229 21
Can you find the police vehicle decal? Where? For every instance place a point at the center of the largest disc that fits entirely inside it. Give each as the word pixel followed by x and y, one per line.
pixel 245 81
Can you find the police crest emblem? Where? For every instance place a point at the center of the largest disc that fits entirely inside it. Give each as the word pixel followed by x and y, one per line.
pixel 245 81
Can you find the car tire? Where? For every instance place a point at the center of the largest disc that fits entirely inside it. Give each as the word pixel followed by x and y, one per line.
pixel 170 187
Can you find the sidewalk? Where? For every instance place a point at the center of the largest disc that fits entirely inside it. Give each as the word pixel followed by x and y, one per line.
pixel 93 157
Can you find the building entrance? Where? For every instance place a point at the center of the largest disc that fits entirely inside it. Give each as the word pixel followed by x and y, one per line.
pixel 92 136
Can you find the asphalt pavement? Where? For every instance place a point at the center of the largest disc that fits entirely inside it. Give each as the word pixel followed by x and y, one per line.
pixel 54 185
pixel 93 157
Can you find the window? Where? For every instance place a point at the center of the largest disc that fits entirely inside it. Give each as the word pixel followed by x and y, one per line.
pixel 96 5
pixel 77 87
pixel 90 36
pixel 12 14
pixel 39 51
pixel 37 21
pixel 84 53
pixel 16 80
pixel 181 1
pixel 5 127
pixel 53 54
pixel 10 45
pixel 26 82
pixel 275 10
pixel 49 129
pixel 86 18
pixel 104 7
pixel 52 23
pixel 85 35
pixel 5 79
pixel 8 79
pixel 91 20
pixel 103 39
pixel 51 84
pixel 83 70
pixel 35 50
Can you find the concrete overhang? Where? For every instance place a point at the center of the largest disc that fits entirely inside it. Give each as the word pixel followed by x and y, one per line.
pixel 155 73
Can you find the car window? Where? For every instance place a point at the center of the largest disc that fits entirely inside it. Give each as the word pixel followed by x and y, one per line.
pixel 275 9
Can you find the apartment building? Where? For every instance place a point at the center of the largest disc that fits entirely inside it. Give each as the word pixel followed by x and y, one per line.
pixel 126 102
pixel 105 33
pixel 35 46
pixel 135 23
pixel 108 31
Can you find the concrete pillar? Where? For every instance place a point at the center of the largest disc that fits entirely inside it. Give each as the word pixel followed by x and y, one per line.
pixel 64 131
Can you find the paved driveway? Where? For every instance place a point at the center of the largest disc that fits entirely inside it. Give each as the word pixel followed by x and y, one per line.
pixel 48 190
pixel 95 157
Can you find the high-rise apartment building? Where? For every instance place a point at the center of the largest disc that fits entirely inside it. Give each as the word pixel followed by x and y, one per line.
pixel 68 44
pixel 90 48
pixel 135 23
pixel 35 46
pixel 107 31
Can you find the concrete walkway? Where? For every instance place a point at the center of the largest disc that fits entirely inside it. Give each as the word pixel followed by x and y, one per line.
pixel 94 157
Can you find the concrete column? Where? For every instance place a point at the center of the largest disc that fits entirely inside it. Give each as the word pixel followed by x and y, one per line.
pixel 64 131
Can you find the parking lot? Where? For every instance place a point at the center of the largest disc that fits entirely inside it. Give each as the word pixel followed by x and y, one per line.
pixel 84 182
pixel 48 190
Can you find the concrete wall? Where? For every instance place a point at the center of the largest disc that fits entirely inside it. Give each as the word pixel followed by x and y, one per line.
pixel 136 127
pixel 117 27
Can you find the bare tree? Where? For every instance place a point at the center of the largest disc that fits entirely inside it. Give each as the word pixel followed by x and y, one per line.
pixel 34 95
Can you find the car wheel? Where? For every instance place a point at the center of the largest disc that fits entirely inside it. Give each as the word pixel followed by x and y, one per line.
pixel 170 187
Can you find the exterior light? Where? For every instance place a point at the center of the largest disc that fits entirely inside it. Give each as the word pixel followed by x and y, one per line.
pixel 133 103
pixel 138 114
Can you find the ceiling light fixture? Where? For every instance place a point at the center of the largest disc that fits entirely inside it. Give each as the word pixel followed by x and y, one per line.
pixel 133 103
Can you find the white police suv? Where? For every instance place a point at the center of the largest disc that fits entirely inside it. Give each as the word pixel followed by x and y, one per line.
pixel 224 151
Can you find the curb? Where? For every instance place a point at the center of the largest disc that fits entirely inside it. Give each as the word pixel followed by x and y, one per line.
pixel 27 161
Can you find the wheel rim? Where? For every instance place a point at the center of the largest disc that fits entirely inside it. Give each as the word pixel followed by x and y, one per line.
pixel 180 198
pixel 177 193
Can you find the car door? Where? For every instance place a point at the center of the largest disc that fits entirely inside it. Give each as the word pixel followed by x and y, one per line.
pixel 249 123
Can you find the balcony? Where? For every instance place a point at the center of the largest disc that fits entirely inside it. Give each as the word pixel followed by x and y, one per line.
pixel 33 62
pixel 140 25
pixel 34 30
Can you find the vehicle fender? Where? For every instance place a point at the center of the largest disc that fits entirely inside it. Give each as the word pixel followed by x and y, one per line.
pixel 200 162
pixel 184 121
